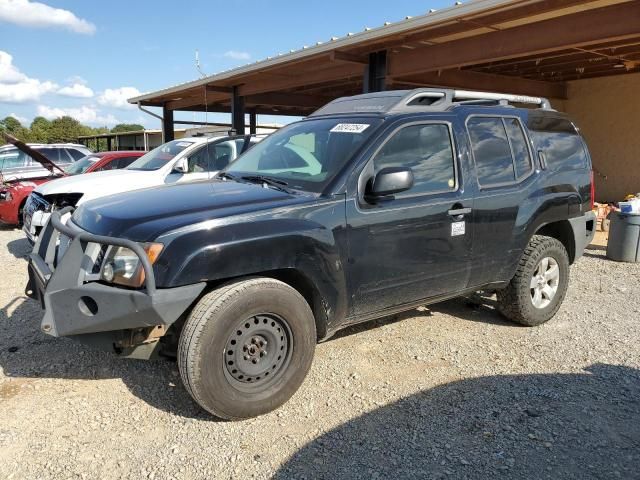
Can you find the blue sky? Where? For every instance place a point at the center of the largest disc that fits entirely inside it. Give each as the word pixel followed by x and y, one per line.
pixel 85 58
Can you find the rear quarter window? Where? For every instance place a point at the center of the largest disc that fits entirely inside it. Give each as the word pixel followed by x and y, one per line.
pixel 560 143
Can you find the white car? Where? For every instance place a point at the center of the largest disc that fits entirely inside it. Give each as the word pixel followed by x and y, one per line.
pixel 183 160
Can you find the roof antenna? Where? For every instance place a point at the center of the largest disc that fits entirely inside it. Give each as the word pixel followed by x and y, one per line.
pixel 202 74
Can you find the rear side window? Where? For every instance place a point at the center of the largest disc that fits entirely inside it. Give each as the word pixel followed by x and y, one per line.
pixel 521 155
pixel 561 144
pixel 491 151
pixel 56 155
pixel 428 151
pixel 500 150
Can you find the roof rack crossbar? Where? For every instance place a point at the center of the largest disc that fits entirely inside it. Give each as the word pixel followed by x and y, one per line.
pixel 511 98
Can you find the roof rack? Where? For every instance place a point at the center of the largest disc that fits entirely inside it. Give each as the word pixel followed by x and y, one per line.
pixel 423 99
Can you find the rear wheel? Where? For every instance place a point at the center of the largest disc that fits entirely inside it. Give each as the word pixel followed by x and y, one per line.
pixel 539 286
pixel 246 347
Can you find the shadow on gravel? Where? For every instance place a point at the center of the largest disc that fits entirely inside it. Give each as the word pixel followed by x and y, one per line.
pixel 557 426
pixel 19 248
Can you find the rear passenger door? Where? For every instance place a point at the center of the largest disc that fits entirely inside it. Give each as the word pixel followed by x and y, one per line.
pixel 504 168
pixel 416 244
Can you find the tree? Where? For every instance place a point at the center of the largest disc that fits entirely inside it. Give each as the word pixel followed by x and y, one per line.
pixel 14 127
pixel 40 130
pixel 66 129
pixel 126 127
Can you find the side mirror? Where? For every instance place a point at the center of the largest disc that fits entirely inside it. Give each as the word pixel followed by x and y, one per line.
pixel 391 180
pixel 181 166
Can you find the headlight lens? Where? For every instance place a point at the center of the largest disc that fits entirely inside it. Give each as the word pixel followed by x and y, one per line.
pixel 5 196
pixel 123 267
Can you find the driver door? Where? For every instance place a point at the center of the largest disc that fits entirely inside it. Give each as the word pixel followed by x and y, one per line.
pixel 416 244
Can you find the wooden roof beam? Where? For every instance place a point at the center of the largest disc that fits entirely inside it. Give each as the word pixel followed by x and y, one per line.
pixel 616 22
pixel 302 79
pixel 486 82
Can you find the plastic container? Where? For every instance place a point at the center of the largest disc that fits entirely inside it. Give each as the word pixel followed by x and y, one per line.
pixel 624 237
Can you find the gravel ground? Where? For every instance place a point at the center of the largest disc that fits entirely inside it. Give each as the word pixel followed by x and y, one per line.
pixel 453 391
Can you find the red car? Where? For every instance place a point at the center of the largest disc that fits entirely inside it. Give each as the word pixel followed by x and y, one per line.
pixel 13 194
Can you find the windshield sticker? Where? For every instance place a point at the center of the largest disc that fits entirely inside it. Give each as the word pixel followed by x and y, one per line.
pixel 350 127
pixel 183 144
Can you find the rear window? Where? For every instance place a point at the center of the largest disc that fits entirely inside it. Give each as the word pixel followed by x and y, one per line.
pixel 561 144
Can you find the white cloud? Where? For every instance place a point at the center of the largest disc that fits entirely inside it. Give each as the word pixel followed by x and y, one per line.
pixel 34 14
pixel 77 90
pixel 77 79
pixel 84 114
pixel 23 120
pixel 16 87
pixel 117 97
pixel 234 54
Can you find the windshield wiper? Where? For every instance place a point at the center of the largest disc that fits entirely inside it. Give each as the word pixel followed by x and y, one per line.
pixel 279 184
pixel 226 175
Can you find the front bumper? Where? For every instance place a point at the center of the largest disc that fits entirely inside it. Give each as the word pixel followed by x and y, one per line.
pixel 62 276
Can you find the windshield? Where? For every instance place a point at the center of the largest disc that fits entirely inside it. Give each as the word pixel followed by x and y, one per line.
pixel 81 165
pixel 160 156
pixel 306 155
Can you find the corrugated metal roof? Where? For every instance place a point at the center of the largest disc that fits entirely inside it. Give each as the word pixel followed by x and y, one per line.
pixel 409 23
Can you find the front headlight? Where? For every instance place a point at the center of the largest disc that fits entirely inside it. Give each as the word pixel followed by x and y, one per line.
pixel 123 267
pixel 5 196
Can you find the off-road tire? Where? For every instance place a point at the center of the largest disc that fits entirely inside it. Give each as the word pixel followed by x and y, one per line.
pixel 514 301
pixel 204 341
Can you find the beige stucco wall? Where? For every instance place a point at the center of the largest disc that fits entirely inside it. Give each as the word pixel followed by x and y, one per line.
pixel 607 110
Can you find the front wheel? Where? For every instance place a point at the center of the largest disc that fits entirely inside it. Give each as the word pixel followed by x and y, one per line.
pixel 540 284
pixel 247 347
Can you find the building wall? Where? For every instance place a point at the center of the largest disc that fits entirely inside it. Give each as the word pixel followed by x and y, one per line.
pixel 607 110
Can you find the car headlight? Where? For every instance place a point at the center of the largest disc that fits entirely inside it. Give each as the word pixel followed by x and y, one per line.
pixel 123 267
pixel 5 196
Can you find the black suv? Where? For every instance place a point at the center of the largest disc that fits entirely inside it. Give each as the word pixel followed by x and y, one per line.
pixel 374 204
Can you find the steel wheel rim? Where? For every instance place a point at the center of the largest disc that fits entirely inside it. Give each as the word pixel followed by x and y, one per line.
pixel 258 351
pixel 544 282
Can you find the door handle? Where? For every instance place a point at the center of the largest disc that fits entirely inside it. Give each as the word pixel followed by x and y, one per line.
pixel 457 212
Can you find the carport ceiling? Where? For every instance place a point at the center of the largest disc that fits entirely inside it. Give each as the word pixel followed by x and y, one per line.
pixel 522 46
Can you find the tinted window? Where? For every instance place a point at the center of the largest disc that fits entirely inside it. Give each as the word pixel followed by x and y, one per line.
pixel 126 161
pixel 75 154
pixel 56 155
pixel 427 150
pixel 521 155
pixel 491 151
pixel 561 144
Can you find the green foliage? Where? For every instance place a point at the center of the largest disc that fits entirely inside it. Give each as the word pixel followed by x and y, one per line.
pixel 62 129
pixel 14 127
pixel 127 127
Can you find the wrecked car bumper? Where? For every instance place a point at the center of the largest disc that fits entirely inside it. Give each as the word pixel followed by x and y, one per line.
pixel 64 277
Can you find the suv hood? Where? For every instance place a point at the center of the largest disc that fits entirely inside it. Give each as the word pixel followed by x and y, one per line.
pixel 144 215
pixel 100 184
